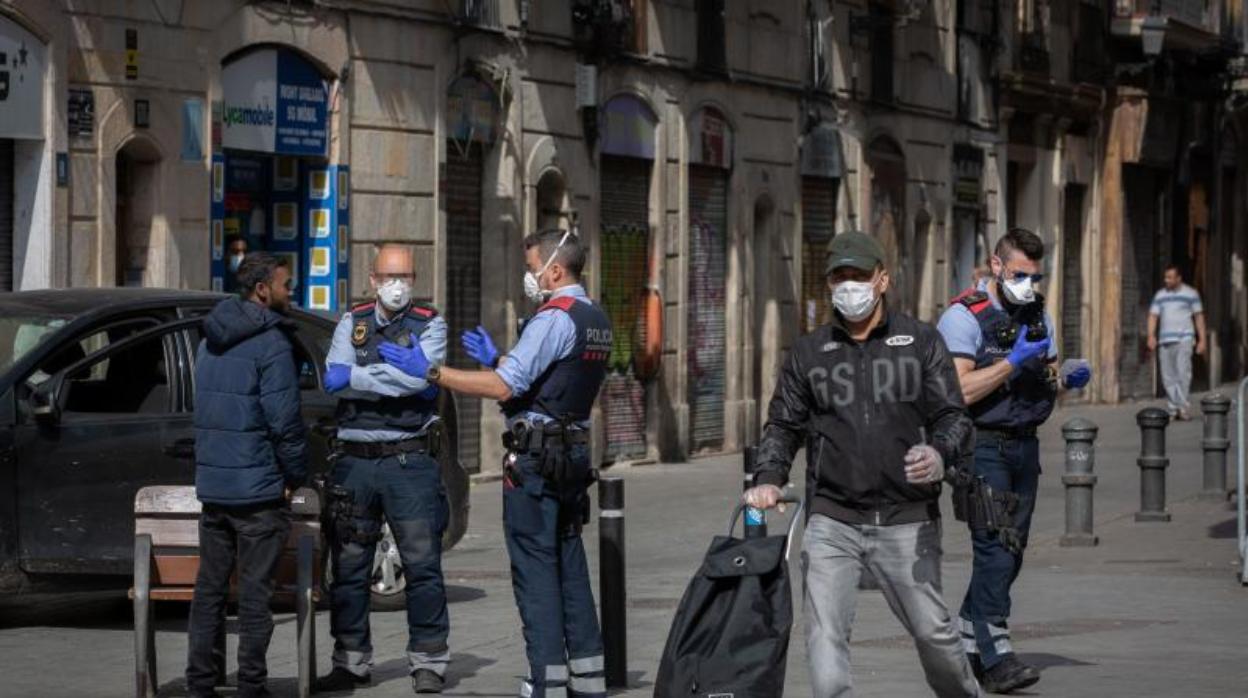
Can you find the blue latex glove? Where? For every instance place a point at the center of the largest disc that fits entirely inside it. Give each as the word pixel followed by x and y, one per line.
pixel 480 347
pixel 337 377
pixel 428 393
pixel 1078 378
pixel 410 360
pixel 1024 350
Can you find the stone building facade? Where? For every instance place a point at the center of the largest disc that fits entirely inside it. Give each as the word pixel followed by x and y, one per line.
pixel 706 149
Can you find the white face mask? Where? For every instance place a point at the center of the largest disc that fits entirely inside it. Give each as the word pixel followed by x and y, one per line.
pixel 236 261
pixel 855 299
pixel 395 294
pixel 532 283
pixel 1020 292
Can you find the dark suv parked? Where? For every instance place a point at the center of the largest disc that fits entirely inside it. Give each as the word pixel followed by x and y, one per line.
pixel 96 399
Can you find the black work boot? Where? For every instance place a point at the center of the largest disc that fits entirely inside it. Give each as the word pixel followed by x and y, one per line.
pixel 340 680
pixel 426 681
pixel 1009 675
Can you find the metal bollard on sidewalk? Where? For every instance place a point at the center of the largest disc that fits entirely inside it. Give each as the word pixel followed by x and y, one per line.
pixel 755 519
pixel 1153 463
pixel 611 590
pixel 1079 481
pixel 1215 444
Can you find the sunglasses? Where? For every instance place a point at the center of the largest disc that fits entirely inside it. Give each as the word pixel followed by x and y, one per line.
pixel 1023 276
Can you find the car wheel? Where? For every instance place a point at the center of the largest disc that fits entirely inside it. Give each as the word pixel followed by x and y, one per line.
pixel 387 584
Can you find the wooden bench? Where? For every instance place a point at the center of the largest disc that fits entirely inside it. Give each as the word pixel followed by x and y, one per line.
pixel 166 561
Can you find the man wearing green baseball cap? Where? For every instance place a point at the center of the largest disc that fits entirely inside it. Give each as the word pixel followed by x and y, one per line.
pixel 873 396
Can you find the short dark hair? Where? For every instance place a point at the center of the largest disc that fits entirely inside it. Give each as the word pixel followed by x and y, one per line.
pixel 1177 269
pixel 1022 240
pixel 258 268
pixel 571 255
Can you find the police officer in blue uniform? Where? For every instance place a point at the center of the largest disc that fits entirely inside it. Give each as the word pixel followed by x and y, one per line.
pixel 385 465
pixel 546 386
pixel 1001 340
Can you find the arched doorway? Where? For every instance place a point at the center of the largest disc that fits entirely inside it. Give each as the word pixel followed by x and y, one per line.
pixel 137 183
pixel 551 201
pixel 888 211
pixel 710 162
pixel 626 165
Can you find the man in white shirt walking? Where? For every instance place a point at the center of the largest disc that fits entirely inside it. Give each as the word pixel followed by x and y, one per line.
pixel 1175 309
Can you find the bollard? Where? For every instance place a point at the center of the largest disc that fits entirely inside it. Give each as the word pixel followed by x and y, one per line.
pixel 1215 444
pixel 755 519
pixel 1079 481
pixel 611 590
pixel 1153 464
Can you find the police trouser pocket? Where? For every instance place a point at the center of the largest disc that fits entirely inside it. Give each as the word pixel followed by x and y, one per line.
pixel 523 510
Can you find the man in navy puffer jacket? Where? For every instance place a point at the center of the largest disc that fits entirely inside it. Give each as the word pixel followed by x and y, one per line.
pixel 250 454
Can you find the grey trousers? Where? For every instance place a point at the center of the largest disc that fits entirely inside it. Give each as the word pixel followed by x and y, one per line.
pixel 1176 373
pixel 905 562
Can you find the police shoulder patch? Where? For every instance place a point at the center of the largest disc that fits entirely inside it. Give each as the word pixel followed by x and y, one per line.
pixel 359 335
pixel 900 340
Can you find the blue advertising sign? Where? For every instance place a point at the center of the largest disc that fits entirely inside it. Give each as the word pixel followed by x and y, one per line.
pixel 274 101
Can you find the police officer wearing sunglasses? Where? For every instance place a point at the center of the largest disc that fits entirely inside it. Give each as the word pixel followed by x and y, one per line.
pixel 1001 340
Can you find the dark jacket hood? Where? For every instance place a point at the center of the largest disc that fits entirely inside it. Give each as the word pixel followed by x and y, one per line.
pixel 235 319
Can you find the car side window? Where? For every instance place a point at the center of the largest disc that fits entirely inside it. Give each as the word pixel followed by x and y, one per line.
pixel 136 380
pixel 84 345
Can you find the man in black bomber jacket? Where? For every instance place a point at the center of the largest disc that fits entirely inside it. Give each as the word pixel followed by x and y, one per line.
pixel 874 396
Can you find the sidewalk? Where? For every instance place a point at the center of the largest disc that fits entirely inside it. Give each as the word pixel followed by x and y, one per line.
pixel 1155 610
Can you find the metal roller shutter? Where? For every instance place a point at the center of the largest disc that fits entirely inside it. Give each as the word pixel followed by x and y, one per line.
pixel 1072 274
pixel 818 226
pixel 1139 273
pixel 463 276
pixel 6 215
pixel 625 252
pixel 708 248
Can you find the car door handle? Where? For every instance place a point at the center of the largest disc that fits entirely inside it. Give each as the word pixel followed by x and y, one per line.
pixel 181 448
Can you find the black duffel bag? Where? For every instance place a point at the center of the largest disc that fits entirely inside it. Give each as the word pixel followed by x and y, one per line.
pixel 730 636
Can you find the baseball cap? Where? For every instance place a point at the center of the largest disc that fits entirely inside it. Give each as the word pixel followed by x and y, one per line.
pixel 854 249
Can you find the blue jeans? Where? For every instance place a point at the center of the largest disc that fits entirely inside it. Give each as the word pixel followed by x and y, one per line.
pixel 1008 465
pixel 550 578
pixel 408 490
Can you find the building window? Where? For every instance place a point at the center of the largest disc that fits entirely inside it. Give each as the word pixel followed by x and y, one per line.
pixel 881 53
pixel 711 40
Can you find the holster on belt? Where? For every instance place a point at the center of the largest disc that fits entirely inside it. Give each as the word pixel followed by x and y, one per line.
pixel 982 507
pixel 552 446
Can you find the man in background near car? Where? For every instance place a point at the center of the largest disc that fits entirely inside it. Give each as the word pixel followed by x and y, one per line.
pixel 250 454
pixel 388 436
pixel 1176 327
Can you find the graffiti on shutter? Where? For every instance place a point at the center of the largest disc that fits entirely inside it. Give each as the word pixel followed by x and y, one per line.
pixel 6 215
pixel 708 247
pixel 625 255
pixel 818 226
pixel 463 283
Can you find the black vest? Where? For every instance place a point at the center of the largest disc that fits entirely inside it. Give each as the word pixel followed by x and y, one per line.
pixel 1024 401
pixel 569 386
pixel 408 413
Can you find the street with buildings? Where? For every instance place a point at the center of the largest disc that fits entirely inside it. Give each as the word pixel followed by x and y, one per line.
pixel 706 153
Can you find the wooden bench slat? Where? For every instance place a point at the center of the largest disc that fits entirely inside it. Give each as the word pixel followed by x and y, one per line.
pixel 158 500
pixel 184 533
pixel 181 570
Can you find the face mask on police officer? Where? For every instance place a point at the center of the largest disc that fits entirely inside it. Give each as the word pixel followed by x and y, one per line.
pixel 532 282
pixel 855 300
pixel 394 294
pixel 236 261
pixel 1020 291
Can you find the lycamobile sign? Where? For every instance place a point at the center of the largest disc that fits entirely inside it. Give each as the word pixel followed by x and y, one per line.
pixel 274 102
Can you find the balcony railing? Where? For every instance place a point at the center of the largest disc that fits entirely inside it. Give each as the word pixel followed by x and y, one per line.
pixel 1194 13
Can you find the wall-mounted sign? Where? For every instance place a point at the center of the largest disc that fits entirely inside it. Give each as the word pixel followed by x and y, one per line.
pixel 274 102
pixel 132 54
pixel 142 113
pixel 81 113
pixel 711 139
pixel 821 152
pixel 968 169
pixel 22 61
pixel 472 110
pixel 62 169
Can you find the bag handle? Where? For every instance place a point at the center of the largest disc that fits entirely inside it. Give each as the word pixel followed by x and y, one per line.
pixel 788 499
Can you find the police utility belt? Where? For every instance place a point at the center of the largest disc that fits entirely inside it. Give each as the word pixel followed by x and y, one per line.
pixel 425 443
pixel 551 445
pixel 524 437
